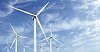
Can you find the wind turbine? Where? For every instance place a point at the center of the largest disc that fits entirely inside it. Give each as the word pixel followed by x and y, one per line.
pixel 56 48
pixel 7 47
pixel 24 48
pixel 41 49
pixel 35 17
pixel 57 41
pixel 41 46
pixel 57 45
pixel 51 38
pixel 16 38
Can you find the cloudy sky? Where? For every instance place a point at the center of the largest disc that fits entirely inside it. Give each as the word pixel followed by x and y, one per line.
pixel 75 23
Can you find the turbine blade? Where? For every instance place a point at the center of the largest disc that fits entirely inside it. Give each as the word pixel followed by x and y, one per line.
pixel 27 46
pixel 61 45
pixel 55 44
pixel 5 48
pixel 44 39
pixel 42 9
pixel 24 37
pixel 23 49
pixel 57 41
pixel 12 43
pixel 50 31
pixel 41 27
pixel 9 46
pixel 13 29
pixel 22 11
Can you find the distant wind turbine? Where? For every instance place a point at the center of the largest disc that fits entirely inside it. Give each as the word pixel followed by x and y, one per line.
pixel 41 50
pixel 51 38
pixel 56 48
pixel 35 17
pixel 40 46
pixel 16 38
pixel 24 48
pixel 57 45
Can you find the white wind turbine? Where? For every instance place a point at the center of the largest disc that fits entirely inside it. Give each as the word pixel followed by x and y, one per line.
pixel 35 17
pixel 56 47
pixel 41 47
pixel 7 47
pixel 16 39
pixel 54 43
pixel 24 48
pixel 51 38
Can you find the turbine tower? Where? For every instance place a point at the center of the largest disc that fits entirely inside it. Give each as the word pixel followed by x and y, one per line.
pixel 16 38
pixel 35 18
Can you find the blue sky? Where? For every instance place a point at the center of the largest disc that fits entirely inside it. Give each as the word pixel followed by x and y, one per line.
pixel 75 23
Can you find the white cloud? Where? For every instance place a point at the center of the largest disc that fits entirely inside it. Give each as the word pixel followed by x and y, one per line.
pixel 59 5
pixel 88 7
pixel 93 47
pixel 23 1
pixel 92 33
pixel 64 25
pixel 51 17
pixel 90 28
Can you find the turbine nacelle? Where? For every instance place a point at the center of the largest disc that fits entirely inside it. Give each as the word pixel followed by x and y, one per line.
pixel 50 38
pixel 35 16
